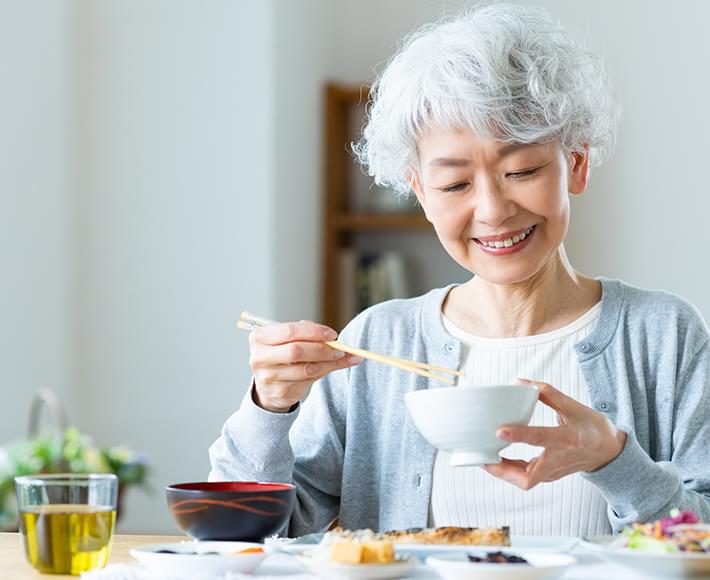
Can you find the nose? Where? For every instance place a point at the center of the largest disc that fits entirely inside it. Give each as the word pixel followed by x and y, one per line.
pixel 491 206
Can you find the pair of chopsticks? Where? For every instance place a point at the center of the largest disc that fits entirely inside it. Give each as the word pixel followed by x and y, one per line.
pixel 250 322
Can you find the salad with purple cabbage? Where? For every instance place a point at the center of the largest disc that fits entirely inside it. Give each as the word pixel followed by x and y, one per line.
pixel 681 532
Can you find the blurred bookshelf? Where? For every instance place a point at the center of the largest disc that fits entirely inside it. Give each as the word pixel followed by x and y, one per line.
pixel 358 215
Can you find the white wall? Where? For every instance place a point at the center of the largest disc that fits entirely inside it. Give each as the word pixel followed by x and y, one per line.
pixel 176 196
pixel 37 207
pixel 304 60
pixel 645 216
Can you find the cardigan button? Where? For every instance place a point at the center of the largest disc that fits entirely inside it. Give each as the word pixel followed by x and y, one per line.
pixel 448 347
pixel 584 348
pixel 419 479
pixel 603 406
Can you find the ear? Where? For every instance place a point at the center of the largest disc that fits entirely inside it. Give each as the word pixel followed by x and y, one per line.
pixel 416 184
pixel 578 172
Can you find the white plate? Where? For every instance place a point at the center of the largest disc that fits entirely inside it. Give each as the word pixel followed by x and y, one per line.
pixel 327 569
pixel 543 566
pixel 186 562
pixel 531 543
pixel 527 543
pixel 681 565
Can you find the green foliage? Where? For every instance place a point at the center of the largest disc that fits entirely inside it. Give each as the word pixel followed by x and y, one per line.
pixel 75 454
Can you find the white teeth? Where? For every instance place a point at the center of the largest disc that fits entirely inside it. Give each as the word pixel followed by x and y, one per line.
pixel 509 242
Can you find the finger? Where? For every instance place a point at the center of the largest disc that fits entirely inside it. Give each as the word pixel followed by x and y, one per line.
pixel 283 333
pixel 557 400
pixel 522 474
pixel 514 471
pixel 293 352
pixel 506 464
pixel 300 372
pixel 539 436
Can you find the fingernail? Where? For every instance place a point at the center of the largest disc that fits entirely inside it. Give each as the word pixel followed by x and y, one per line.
pixel 527 381
pixel 329 334
pixel 338 355
pixel 356 359
pixel 503 434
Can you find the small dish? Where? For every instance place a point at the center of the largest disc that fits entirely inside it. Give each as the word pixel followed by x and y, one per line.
pixel 199 557
pixel 673 565
pixel 333 570
pixel 542 566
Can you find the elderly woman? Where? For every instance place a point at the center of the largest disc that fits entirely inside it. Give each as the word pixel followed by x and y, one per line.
pixel 493 119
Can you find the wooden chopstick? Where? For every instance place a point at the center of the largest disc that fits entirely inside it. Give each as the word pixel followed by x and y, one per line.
pixel 258 321
pixel 250 322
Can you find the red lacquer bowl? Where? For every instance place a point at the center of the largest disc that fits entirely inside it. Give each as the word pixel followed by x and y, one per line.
pixel 231 510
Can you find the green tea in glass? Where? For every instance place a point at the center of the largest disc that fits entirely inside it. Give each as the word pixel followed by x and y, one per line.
pixel 67 520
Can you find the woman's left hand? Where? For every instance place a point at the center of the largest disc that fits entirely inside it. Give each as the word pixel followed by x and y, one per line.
pixel 584 440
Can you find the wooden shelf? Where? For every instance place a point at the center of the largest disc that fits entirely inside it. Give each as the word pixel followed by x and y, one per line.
pixel 354 222
pixel 341 225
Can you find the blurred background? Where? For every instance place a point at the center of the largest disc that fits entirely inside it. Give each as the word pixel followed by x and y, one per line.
pixel 161 169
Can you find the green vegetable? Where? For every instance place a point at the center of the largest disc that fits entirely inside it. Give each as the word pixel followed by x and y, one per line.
pixel 637 541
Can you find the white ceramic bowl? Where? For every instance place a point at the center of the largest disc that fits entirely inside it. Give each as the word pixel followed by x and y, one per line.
pixel 464 420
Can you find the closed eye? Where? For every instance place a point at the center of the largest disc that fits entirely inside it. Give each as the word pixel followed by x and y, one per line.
pixel 453 188
pixel 522 174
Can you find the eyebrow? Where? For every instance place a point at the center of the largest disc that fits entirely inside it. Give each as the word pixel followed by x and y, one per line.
pixel 448 162
pixel 461 162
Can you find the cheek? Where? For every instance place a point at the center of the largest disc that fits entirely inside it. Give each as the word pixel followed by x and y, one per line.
pixel 551 199
pixel 448 219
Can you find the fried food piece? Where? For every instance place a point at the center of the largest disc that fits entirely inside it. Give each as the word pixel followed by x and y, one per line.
pixel 354 552
pixel 451 535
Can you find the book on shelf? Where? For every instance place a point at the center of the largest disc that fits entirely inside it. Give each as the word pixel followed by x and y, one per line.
pixel 366 279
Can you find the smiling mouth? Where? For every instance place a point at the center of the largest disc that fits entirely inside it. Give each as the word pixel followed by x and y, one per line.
pixel 507 243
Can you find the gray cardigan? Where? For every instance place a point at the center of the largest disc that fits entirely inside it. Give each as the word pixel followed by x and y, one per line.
pixel 355 454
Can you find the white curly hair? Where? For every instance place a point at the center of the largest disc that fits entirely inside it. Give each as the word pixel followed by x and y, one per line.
pixel 503 71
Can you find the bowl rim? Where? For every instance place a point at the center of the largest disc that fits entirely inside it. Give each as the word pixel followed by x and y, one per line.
pixel 480 388
pixel 214 487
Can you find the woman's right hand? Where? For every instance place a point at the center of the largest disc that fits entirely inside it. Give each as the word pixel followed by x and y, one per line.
pixel 287 358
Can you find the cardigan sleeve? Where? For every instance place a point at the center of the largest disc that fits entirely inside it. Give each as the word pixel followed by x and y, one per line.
pixel 639 489
pixel 303 447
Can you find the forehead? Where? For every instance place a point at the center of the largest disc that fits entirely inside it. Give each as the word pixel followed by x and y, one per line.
pixel 441 147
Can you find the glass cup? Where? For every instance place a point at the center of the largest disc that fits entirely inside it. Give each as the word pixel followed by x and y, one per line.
pixel 67 520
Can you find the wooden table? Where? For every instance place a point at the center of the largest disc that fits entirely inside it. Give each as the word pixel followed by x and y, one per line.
pixel 13 565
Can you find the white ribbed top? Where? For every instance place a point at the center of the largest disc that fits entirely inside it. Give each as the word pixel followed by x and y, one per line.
pixel 469 496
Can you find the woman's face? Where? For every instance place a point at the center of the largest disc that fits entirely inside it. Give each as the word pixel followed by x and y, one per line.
pixel 501 210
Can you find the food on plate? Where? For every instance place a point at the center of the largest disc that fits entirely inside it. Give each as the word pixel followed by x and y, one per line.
pixel 681 532
pixel 452 535
pixel 368 552
pixel 255 550
pixel 356 547
pixel 367 547
pixel 497 558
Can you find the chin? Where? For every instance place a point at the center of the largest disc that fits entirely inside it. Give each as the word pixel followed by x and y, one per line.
pixel 505 277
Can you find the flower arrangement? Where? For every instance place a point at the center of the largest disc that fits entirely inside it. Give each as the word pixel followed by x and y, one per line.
pixel 75 452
